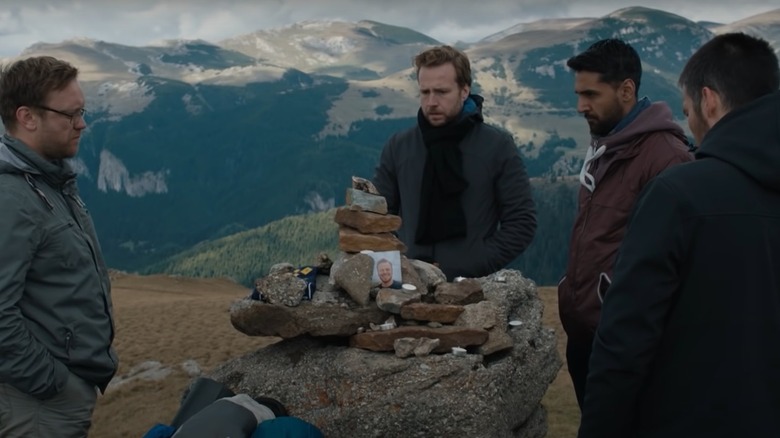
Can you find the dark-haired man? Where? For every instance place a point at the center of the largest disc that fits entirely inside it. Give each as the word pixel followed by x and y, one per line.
pixel 631 142
pixel 686 346
pixel 56 327
pixel 458 184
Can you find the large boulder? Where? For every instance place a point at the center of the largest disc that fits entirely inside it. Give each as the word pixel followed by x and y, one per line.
pixel 351 392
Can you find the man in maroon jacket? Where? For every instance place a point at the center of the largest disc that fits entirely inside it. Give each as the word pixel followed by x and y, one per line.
pixel 632 140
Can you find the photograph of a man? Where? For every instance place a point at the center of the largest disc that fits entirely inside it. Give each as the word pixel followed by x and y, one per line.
pixel 384 270
pixel 387 269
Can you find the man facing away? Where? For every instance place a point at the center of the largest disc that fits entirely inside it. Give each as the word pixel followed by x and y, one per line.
pixel 56 326
pixel 631 142
pixel 459 184
pixel 687 345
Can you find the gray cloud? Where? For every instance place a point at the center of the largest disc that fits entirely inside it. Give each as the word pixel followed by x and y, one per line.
pixel 140 22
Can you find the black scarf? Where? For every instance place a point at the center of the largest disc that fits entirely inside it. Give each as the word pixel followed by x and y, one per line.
pixel 441 210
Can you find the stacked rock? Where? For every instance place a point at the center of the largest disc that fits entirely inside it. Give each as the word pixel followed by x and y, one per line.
pixel 364 223
pixel 426 315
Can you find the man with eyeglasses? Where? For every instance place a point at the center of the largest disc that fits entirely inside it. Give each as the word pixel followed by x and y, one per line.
pixel 56 323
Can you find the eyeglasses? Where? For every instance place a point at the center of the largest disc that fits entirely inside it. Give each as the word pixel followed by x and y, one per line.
pixel 73 117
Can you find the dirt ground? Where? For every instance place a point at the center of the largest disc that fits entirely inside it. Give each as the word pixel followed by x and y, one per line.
pixel 174 319
pixel 167 319
pixel 563 414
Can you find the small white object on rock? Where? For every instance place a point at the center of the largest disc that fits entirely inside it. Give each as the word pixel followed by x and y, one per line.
pixel 515 323
pixel 459 279
pixel 458 351
pixel 386 326
pixel 409 287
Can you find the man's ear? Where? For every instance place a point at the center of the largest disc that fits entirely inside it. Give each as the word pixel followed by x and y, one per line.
pixel 26 119
pixel 711 105
pixel 627 91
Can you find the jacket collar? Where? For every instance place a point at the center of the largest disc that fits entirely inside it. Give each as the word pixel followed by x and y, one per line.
pixel 19 158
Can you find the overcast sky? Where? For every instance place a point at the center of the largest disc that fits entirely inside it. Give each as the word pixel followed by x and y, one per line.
pixel 140 22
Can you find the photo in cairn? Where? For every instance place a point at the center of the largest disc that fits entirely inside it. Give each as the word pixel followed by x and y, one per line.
pixel 387 269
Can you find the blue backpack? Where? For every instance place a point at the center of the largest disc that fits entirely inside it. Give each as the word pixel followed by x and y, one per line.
pixel 309 275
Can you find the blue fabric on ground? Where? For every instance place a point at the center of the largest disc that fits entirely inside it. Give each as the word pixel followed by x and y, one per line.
pixel 160 431
pixel 287 427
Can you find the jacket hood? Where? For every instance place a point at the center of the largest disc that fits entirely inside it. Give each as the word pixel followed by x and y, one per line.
pixel 17 157
pixel 656 117
pixel 11 163
pixel 748 138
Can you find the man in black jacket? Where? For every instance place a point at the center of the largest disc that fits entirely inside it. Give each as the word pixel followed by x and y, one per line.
pixel 687 343
pixel 458 184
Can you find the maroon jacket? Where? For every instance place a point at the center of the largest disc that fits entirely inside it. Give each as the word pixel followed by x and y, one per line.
pixel 616 169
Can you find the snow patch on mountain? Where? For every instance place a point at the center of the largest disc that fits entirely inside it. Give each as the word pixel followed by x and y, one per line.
pixel 317 203
pixel 191 104
pixel 235 76
pixel 78 166
pixel 262 45
pixel 114 176
pixel 333 46
pixel 122 98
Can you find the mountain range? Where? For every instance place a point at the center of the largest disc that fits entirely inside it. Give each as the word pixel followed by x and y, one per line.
pixel 191 141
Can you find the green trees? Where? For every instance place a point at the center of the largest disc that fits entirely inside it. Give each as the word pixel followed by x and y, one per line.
pixel 299 239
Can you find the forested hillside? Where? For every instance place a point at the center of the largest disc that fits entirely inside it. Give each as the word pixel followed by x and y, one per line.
pixel 299 239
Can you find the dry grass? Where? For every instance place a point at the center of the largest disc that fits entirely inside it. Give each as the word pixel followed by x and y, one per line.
pixel 563 414
pixel 170 320
pixel 173 319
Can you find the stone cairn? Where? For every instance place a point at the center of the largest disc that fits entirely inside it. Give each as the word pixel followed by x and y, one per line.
pixel 426 316
pixel 433 359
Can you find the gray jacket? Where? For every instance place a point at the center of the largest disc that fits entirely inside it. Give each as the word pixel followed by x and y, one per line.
pixel 500 212
pixel 55 302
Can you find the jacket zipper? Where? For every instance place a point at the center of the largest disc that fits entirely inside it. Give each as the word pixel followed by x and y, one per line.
pixel 77 217
pixel 573 285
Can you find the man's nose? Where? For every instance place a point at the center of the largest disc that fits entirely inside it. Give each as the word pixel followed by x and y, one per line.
pixel 582 105
pixel 79 123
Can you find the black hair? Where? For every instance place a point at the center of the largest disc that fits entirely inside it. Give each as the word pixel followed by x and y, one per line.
pixel 739 67
pixel 614 59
